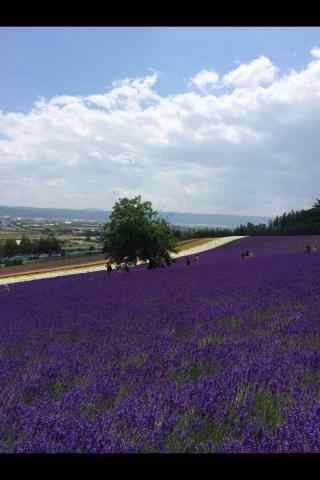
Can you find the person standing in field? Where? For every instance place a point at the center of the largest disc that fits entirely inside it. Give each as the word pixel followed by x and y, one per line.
pixel 126 266
pixel 109 265
pixel 308 249
pixel 188 261
pixel 196 259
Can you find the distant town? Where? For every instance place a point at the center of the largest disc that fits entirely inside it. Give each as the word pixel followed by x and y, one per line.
pixel 75 238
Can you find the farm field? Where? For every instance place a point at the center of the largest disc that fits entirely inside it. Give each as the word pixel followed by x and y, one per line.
pixel 219 356
pixel 195 242
pixel 47 264
pixel 16 236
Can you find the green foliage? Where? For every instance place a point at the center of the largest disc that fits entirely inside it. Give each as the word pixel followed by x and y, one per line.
pixel 13 262
pixel 183 331
pixel 90 411
pixel 311 378
pixel 10 248
pixel 47 245
pixel 290 223
pixel 229 321
pixel 136 360
pixel 268 409
pixel 25 247
pixel 192 372
pixel 1 249
pixel 211 232
pixel 210 340
pixel 209 434
pixel 135 231
pixel 300 222
pixel 58 388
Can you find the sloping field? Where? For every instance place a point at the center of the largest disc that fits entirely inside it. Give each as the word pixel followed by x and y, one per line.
pixel 68 262
pixel 48 264
pixel 195 242
pixel 220 356
pixel 86 264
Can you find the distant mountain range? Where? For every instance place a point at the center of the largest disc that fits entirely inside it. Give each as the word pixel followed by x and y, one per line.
pixel 182 219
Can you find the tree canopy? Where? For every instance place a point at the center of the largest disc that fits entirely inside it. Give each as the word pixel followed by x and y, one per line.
pixel 48 245
pixel 25 247
pixel 135 231
pixel 299 222
pixel 10 248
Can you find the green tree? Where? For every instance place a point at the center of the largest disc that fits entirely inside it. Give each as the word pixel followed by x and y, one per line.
pixel 25 247
pixel 41 246
pixel 53 245
pixel 48 245
pixel 135 231
pixel 10 248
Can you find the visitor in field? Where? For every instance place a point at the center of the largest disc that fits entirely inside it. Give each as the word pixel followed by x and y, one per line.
pixel 109 265
pixel 188 261
pixel 151 264
pixel 247 254
pixel 126 266
pixel 196 259
pixel 167 259
pixel 122 266
pixel 308 249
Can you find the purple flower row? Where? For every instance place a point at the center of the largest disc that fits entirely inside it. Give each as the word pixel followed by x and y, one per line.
pixel 219 356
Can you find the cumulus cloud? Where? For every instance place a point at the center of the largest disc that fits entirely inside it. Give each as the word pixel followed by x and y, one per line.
pixel 128 94
pixel 315 52
pixel 204 79
pixel 251 149
pixel 260 71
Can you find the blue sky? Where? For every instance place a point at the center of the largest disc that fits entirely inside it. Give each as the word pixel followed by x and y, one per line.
pixel 212 120
pixel 45 62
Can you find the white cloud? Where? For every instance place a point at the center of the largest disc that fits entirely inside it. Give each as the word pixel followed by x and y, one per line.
pixel 204 79
pixel 128 94
pixel 247 150
pixel 260 71
pixel 55 182
pixel 315 52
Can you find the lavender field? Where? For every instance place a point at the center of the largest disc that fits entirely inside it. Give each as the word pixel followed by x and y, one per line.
pixel 221 356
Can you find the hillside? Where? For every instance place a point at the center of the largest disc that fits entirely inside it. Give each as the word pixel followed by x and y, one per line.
pixel 220 357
